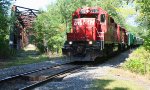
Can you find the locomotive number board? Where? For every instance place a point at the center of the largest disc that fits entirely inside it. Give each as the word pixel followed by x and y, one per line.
pixel 85 11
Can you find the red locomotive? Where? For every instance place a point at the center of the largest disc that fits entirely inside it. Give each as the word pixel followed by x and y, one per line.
pixel 94 33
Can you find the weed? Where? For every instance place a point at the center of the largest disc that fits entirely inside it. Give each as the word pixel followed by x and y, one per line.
pixel 138 61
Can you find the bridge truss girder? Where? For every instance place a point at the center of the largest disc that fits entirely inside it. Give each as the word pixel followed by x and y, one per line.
pixel 21 28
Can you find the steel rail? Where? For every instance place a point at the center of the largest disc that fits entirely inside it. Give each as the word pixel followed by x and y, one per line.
pixel 33 71
pixel 32 86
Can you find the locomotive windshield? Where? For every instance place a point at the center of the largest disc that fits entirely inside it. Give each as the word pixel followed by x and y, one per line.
pixel 88 16
pixel 75 17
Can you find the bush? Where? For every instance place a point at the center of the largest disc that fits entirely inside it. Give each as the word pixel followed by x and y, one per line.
pixel 147 42
pixel 135 65
pixel 138 61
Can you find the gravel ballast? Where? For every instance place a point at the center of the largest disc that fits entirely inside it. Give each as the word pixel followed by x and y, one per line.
pixel 85 78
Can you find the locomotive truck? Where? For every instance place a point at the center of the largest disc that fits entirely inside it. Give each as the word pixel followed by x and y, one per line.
pixel 94 34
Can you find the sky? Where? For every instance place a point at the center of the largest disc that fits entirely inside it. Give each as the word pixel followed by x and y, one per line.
pixel 33 4
pixel 131 20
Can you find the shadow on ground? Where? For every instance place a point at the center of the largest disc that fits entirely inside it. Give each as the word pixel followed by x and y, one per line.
pixel 80 84
pixel 114 60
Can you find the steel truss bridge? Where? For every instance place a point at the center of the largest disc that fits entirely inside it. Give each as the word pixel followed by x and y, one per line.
pixel 21 26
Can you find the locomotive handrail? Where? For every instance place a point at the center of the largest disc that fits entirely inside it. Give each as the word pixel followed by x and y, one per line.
pixel 92 33
pixel 99 34
pixel 85 33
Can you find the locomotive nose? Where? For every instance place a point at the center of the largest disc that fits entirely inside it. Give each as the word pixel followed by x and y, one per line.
pixel 84 29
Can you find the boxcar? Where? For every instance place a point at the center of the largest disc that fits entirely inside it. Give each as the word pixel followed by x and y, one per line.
pixel 130 39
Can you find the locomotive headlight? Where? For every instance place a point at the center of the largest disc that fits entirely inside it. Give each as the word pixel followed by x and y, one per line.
pixel 90 42
pixel 70 42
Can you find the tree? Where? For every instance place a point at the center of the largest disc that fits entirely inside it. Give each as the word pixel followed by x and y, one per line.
pixel 50 26
pixel 143 10
pixel 4 5
pixel 4 30
pixel 113 7
pixel 67 7
pixel 49 30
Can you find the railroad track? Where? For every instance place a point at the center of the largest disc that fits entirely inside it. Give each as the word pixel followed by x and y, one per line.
pixel 49 78
pixel 33 71
pixel 26 81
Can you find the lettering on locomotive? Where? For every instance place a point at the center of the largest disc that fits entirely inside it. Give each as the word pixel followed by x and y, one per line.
pixel 80 22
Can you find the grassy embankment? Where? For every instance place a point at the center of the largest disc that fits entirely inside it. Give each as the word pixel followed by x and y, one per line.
pixel 110 83
pixel 26 59
pixel 138 62
pixel 30 54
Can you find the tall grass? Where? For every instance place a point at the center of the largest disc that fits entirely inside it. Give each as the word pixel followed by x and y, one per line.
pixel 138 61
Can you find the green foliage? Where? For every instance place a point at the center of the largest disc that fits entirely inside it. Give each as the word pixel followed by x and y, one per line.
pixel 67 7
pixel 3 20
pixel 116 8
pixel 4 31
pixel 143 9
pixel 147 42
pixel 139 61
pixel 135 65
pixel 112 7
pixel 144 13
pixel 49 30
pixel 137 30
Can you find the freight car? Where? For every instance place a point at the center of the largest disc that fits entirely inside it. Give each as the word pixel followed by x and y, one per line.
pixel 138 41
pixel 131 40
pixel 94 33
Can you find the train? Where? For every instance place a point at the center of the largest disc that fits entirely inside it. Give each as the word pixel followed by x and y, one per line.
pixel 94 33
